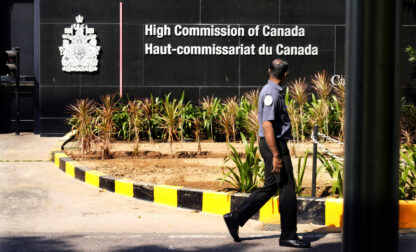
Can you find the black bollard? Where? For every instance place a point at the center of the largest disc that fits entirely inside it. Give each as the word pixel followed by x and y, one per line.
pixel 370 221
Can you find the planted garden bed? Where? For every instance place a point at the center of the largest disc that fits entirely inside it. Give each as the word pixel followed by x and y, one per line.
pixel 154 164
pixel 167 122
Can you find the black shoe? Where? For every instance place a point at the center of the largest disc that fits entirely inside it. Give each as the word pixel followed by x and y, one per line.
pixel 232 226
pixel 297 243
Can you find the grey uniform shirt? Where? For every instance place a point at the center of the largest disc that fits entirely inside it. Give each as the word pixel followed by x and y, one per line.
pixel 272 107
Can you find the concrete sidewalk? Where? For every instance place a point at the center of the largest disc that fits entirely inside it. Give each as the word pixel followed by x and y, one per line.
pixel 38 197
pixel 27 146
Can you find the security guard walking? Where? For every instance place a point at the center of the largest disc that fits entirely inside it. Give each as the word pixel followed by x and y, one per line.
pixel 274 132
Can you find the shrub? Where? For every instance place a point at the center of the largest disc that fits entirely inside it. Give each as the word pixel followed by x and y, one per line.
pixel 135 121
pixel 82 123
pixel 250 172
pixel 170 118
pixel 335 170
pixel 104 124
pixel 211 107
pixel 150 108
pixel 298 92
pixel 301 171
pixel 407 173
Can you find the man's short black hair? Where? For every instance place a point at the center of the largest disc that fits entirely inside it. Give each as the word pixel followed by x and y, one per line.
pixel 278 68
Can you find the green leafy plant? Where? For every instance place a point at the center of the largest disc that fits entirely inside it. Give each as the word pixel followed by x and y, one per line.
pixel 293 115
pixel 408 122
pixel 211 107
pixel 105 124
pixel 318 111
pixel 247 174
pixel 82 123
pixel 251 121
pixel 185 117
pixel 335 170
pixel 323 87
pixel 197 123
pixel 411 51
pixel 136 122
pixel 150 108
pixel 170 118
pixel 301 172
pixel 298 92
pixel 407 173
pixel 122 122
pixel 228 118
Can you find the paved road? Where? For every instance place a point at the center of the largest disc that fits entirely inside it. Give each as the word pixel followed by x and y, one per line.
pixel 153 242
pixel 42 209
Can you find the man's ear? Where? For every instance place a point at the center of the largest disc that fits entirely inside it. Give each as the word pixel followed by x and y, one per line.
pixel 268 71
pixel 284 76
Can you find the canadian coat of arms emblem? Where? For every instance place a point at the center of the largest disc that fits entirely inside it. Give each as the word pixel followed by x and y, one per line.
pixel 79 48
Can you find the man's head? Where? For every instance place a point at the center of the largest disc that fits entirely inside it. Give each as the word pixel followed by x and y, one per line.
pixel 278 69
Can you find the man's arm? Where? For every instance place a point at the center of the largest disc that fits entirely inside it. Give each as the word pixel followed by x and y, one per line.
pixel 271 142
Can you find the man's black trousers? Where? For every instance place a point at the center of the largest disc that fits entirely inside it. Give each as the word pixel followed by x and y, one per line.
pixel 283 181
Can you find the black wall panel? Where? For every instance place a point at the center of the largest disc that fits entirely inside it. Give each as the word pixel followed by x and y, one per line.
pixel 140 92
pixel 240 12
pixel 197 76
pixel 132 59
pixel 22 34
pixel 339 49
pixel 54 101
pixel 161 11
pixel 312 12
pixel 64 11
pixel 56 126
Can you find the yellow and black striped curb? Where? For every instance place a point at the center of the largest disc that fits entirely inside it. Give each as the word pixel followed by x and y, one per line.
pixel 320 211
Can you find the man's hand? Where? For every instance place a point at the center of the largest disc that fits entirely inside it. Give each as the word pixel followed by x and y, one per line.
pixel 277 164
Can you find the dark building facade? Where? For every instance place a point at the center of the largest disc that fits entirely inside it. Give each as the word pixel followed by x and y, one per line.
pixel 159 47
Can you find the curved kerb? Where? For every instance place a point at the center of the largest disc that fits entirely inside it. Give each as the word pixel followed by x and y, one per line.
pixel 320 211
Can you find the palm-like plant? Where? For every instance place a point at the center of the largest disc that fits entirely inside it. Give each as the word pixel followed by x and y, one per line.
pixel 408 120
pixel 82 122
pixel 322 85
pixel 252 97
pixel 318 113
pixel 301 172
pixel 149 107
pixel 170 117
pixel 210 111
pixel 252 122
pixel 339 103
pixel 250 171
pixel 298 92
pixel 135 120
pixel 231 107
pixel 225 121
pixel 105 124
pixel 196 122
pixel 335 170
pixel 184 117
pixel 294 118
pixel 407 173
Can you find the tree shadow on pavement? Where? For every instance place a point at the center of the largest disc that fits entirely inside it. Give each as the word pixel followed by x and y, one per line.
pixel 155 248
pixel 33 243
pixel 236 247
